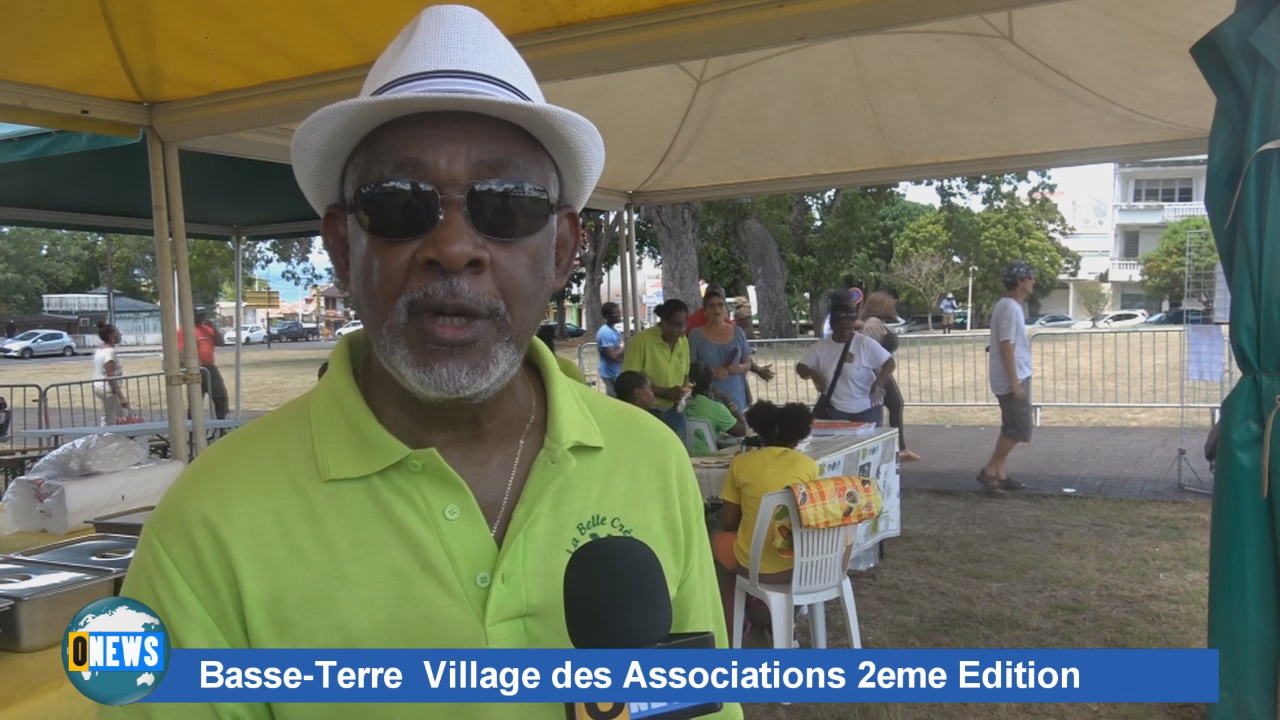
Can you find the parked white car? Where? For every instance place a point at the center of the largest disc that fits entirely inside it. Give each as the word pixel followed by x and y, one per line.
pixel 39 342
pixel 249 334
pixel 349 328
pixel 1113 320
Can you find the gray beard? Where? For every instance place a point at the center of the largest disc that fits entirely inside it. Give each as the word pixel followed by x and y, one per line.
pixel 450 380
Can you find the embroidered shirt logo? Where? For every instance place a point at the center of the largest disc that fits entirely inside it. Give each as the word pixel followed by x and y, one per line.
pixel 596 527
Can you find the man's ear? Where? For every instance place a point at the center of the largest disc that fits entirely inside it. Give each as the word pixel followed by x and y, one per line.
pixel 567 241
pixel 333 231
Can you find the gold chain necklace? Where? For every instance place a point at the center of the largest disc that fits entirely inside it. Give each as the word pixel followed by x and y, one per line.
pixel 511 480
pixel 506 496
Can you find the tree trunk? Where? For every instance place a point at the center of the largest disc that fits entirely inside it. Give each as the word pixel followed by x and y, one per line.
pixel 592 258
pixel 560 318
pixel 817 310
pixel 771 278
pixel 677 229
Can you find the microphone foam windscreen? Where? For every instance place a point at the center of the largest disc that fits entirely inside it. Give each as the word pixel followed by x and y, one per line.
pixel 615 595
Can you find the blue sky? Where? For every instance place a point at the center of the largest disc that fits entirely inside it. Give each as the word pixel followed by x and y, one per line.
pixel 288 291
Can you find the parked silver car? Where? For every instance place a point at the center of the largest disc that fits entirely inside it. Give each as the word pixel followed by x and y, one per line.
pixel 1055 320
pixel 39 342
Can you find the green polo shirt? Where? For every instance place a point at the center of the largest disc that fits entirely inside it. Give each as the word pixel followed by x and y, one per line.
pixel 664 365
pixel 313 527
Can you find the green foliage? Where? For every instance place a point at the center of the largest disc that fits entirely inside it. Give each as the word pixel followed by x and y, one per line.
pixel 35 262
pixel 1010 226
pixel 1093 297
pixel 1164 270
pixel 720 255
pixel 824 238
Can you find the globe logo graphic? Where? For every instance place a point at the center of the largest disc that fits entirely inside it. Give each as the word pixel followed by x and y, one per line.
pixel 114 615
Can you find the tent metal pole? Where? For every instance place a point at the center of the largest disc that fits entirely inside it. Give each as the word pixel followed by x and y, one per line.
pixel 168 318
pixel 239 312
pixel 627 309
pixel 111 284
pixel 638 301
pixel 178 229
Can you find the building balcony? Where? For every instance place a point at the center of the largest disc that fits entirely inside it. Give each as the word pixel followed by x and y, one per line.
pixel 1156 213
pixel 1125 271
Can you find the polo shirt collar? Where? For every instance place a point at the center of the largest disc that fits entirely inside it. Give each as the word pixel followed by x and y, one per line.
pixel 349 442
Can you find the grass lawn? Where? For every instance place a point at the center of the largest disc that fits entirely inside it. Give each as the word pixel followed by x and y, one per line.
pixel 1027 572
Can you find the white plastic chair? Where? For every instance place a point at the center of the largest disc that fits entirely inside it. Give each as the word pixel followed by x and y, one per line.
pixel 820 575
pixel 693 425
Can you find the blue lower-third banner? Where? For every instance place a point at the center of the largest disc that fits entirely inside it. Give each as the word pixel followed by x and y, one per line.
pixel 689 676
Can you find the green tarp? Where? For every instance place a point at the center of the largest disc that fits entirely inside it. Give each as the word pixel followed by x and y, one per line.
pixel 79 174
pixel 1240 59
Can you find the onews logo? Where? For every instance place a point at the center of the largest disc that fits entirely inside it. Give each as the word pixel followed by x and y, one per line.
pixel 115 651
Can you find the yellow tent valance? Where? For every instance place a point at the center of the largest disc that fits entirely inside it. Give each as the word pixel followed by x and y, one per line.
pixel 158 51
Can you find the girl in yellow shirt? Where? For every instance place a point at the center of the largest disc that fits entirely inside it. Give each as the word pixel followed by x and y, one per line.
pixel 751 476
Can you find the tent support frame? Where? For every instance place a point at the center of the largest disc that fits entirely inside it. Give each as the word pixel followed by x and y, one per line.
pixel 190 353
pixel 239 313
pixel 174 377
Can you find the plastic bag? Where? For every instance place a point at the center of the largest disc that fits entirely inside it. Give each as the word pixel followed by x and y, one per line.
pixel 64 505
pixel 91 455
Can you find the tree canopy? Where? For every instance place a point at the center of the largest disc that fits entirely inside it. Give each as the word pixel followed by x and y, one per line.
pixel 1164 270
pixel 36 262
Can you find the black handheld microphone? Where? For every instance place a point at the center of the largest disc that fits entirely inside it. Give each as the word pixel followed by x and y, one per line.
pixel 615 597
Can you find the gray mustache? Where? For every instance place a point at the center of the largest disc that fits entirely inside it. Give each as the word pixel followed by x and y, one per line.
pixel 452 289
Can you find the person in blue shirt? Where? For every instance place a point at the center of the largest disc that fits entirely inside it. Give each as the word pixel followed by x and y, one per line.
pixel 949 307
pixel 609 343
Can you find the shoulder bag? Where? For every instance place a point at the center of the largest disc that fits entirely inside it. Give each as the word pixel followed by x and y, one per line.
pixel 823 410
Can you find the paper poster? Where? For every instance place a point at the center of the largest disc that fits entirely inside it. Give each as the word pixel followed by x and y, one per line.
pixel 1221 296
pixel 1205 353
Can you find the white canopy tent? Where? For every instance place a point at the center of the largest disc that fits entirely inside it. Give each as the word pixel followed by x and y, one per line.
pixel 1034 85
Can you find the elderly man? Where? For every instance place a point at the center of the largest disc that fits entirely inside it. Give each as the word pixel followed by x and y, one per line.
pixel 429 491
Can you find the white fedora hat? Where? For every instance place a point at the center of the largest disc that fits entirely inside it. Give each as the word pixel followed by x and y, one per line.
pixel 450 58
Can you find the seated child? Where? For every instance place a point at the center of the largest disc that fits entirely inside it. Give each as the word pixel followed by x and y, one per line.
pixel 633 388
pixel 711 405
pixel 752 475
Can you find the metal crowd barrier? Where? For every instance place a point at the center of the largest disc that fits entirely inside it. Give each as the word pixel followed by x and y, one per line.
pixel 75 404
pixel 22 411
pixel 1072 368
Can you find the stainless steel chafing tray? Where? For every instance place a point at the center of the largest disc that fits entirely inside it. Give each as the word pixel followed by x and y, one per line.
pixel 45 597
pixel 109 552
pixel 127 522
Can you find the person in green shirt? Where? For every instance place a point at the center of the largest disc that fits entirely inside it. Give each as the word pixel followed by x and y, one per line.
pixel 662 354
pixel 429 491
pixel 713 406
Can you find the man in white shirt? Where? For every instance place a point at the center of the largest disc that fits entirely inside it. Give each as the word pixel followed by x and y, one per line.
pixel 1009 370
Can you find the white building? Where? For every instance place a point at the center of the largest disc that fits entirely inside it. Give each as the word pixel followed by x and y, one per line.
pixel 1090 216
pixel 1148 197
pixel 1111 234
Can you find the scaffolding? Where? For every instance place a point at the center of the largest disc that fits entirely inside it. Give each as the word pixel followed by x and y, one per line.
pixel 1205 353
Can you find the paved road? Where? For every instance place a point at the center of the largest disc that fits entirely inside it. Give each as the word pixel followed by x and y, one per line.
pixel 1087 461
pixel 155 352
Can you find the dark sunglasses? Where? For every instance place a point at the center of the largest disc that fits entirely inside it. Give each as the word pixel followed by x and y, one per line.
pixel 396 209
